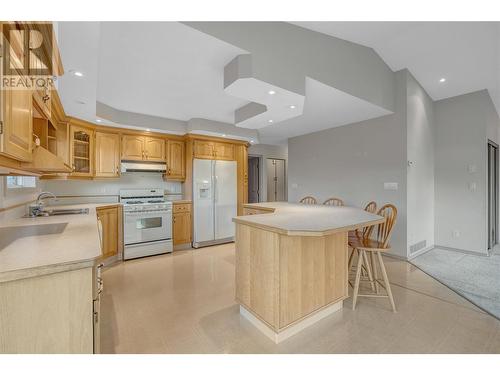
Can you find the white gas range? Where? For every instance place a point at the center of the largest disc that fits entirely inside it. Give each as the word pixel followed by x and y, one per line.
pixel 147 219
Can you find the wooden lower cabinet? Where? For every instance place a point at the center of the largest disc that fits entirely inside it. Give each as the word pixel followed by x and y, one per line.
pixel 48 314
pixel 111 230
pixel 181 223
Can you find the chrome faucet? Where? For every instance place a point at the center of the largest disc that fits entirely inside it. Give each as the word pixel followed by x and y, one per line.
pixel 37 208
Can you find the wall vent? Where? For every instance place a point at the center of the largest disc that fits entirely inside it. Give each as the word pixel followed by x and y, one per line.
pixel 418 246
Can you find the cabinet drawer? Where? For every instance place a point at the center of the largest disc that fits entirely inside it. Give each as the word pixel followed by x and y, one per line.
pixel 182 207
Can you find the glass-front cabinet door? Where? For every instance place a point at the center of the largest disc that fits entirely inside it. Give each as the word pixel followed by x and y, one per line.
pixel 81 145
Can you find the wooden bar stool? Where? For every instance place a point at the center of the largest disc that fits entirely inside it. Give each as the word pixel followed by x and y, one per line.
pixel 308 200
pixel 334 202
pixel 364 233
pixel 375 247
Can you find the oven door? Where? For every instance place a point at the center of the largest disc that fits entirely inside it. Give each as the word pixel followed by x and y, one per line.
pixel 147 226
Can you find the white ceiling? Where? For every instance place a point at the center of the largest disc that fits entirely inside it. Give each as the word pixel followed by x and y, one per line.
pixel 325 107
pixel 467 54
pixel 163 69
pixel 168 69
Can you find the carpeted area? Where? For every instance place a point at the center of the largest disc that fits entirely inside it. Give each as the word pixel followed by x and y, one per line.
pixel 476 278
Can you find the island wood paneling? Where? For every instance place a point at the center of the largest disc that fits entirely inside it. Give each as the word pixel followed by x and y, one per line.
pixel 282 279
pixel 257 272
pixel 312 274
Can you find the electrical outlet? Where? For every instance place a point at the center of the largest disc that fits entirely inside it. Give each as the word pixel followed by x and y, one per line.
pixel 471 168
pixel 472 186
pixel 390 186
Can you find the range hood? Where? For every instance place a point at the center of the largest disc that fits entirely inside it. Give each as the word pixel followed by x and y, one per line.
pixel 143 166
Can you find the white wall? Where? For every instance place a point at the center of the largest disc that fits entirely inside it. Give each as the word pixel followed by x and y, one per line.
pixel 352 162
pixel 463 125
pixel 269 152
pixel 420 137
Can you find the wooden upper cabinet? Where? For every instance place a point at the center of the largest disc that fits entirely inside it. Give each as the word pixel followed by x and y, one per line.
pixel 203 149
pixel 154 149
pixel 107 155
pixel 176 163
pixel 213 150
pixel 143 148
pixel 81 151
pixel 17 128
pixel 132 147
pixel 224 151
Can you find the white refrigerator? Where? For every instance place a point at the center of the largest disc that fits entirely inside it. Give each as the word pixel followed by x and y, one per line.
pixel 214 201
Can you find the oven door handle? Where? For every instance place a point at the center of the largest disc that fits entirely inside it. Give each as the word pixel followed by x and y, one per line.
pixel 151 212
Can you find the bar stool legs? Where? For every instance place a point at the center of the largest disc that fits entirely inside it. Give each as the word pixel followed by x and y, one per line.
pixel 386 281
pixel 372 278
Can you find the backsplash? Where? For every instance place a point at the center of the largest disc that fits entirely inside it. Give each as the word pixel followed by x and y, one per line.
pixel 13 197
pixel 111 187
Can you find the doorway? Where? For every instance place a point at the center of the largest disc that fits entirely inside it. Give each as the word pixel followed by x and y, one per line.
pixel 276 180
pixel 253 179
pixel 492 194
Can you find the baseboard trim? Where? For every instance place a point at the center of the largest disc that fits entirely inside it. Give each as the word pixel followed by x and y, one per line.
pixel 286 333
pixel 468 252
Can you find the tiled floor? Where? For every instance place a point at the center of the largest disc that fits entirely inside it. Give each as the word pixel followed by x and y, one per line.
pixel 477 278
pixel 184 303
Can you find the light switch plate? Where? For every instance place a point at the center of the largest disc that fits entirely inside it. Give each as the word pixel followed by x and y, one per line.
pixel 390 186
pixel 471 168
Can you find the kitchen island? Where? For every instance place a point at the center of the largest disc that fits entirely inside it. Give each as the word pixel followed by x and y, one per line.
pixel 291 263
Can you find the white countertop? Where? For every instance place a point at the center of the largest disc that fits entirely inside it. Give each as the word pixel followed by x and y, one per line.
pixel 308 220
pixel 36 246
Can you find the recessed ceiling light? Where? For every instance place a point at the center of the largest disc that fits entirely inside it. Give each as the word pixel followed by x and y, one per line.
pixel 292 107
pixel 270 121
pixel 252 141
pixel 77 73
pixel 271 92
pixel 98 120
pixel 442 80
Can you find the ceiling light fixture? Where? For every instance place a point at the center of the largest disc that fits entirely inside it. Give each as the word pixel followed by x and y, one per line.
pixel 270 121
pixel 98 120
pixel 77 73
pixel 148 129
pixel 442 80
pixel 252 141
pixel 271 92
pixel 223 135
pixel 292 107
